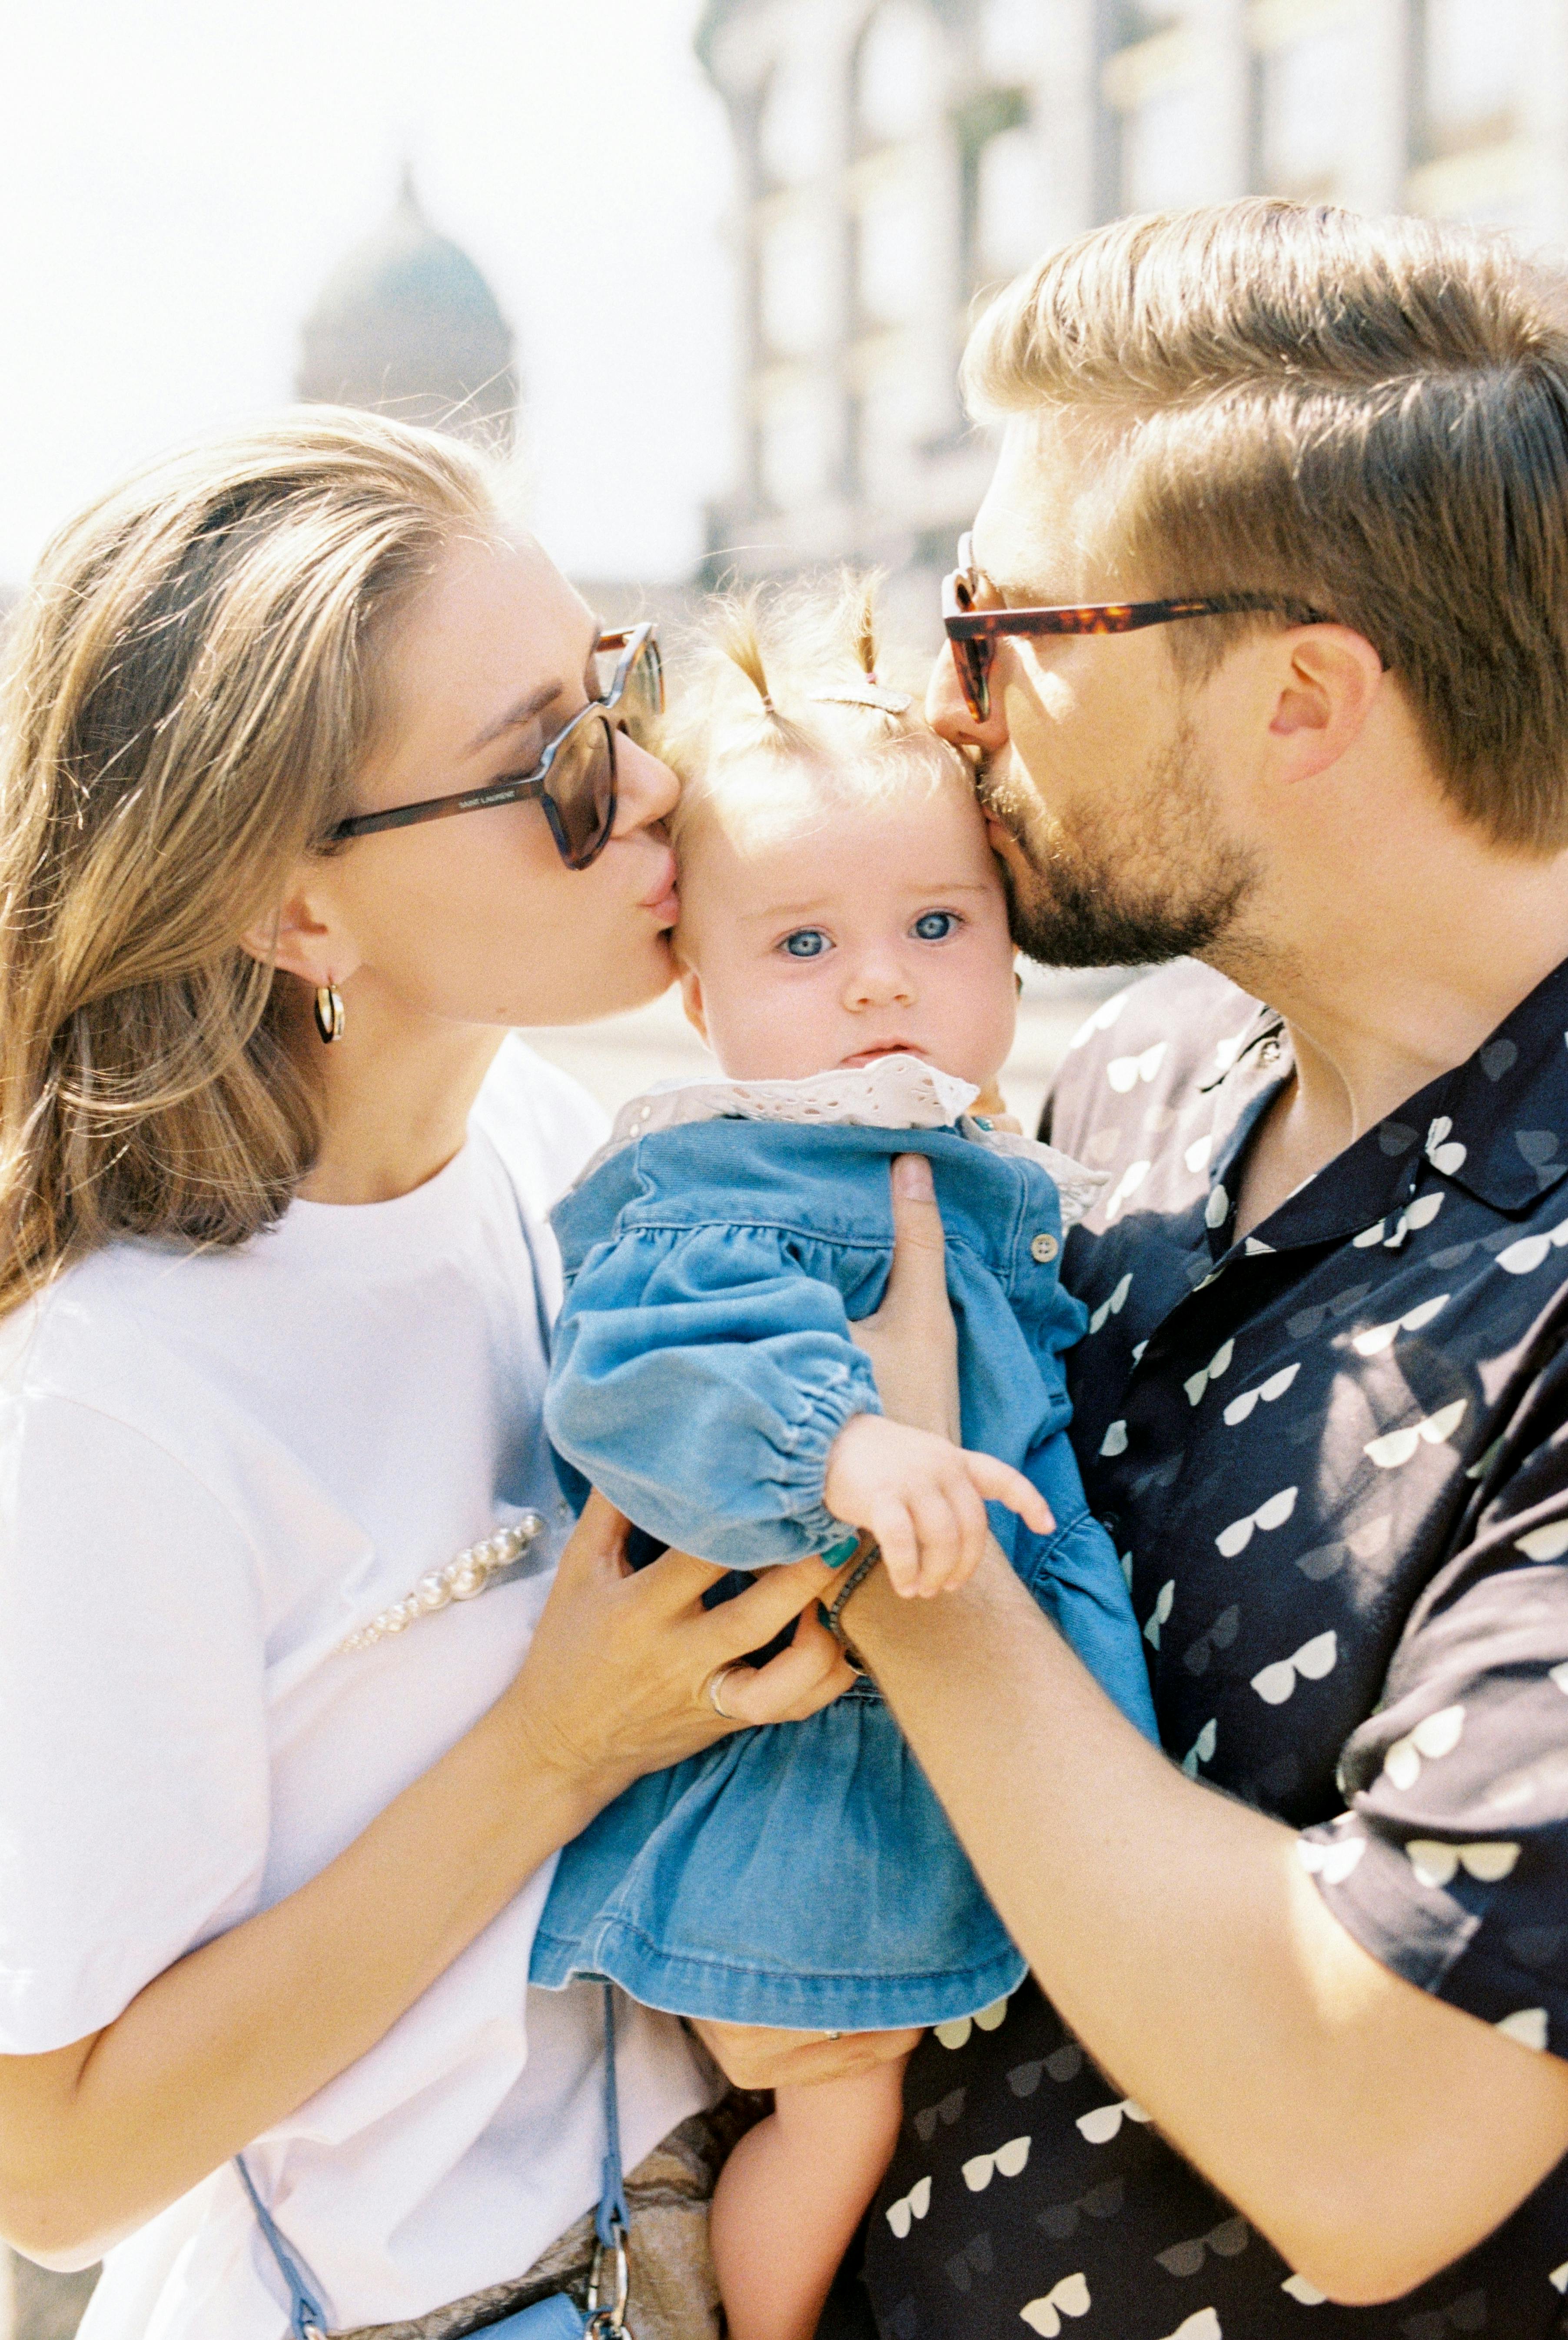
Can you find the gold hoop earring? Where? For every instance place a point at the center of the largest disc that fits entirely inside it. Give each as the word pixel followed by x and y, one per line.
pixel 329 1012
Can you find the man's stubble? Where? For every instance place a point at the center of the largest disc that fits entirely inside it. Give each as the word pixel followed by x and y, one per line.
pixel 1141 875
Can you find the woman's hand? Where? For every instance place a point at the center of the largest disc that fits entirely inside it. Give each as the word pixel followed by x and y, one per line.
pixel 912 1340
pixel 615 1680
pixel 751 2057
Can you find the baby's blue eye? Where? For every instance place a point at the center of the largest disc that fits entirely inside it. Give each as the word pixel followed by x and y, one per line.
pixel 934 925
pixel 807 942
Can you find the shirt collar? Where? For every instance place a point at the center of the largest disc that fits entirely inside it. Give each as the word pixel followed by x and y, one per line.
pixel 1495 1126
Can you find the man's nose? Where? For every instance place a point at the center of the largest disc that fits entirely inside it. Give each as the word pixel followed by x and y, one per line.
pixel 646 789
pixel 947 711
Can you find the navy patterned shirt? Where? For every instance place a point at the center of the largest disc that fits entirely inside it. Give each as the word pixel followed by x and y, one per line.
pixel 1334 1456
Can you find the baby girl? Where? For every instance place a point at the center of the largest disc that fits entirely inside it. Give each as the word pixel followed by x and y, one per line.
pixel 845 954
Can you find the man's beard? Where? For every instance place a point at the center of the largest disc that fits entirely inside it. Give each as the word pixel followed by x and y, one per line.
pixel 1144 878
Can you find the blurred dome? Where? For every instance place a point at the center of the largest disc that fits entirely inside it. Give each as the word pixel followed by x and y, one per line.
pixel 407 325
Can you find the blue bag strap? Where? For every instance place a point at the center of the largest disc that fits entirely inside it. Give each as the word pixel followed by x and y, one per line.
pixel 612 2211
pixel 307 2316
pixel 612 2219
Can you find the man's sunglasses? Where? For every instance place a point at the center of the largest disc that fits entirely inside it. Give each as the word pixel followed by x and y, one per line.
pixel 974 630
pixel 573 780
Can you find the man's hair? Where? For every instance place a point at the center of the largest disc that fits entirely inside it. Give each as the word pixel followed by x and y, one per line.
pixel 1367 417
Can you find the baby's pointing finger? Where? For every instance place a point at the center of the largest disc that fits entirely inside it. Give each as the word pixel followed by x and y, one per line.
pixel 998 1483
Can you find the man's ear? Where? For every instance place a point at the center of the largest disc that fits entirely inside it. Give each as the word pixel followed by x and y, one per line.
pixel 1324 698
pixel 302 939
pixel 691 984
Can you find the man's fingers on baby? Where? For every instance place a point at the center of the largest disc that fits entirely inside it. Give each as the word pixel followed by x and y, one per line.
pixel 998 1483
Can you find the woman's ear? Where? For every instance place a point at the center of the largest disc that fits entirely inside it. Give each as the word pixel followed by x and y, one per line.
pixel 302 939
pixel 692 1001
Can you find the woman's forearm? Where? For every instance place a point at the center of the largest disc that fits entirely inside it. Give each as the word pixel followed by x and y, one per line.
pixel 1372 2132
pixel 96 2137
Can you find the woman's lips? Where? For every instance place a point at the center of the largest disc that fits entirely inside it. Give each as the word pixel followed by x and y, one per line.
pixel 662 897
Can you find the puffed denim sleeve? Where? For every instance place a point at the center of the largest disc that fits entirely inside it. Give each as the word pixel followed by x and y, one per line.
pixel 700 1377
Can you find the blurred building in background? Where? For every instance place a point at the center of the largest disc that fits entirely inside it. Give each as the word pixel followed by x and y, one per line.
pixel 897 158
pixel 407 326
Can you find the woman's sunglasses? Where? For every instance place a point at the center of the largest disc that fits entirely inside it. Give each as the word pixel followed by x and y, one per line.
pixel 573 780
pixel 973 628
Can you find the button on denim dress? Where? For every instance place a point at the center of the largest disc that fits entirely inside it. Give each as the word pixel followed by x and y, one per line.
pixel 803 1874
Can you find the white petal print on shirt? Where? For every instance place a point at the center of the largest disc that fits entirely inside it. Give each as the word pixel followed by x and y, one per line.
pixel 1524 1257
pixel 1103 1018
pixel 1443 1152
pixel 1434 1736
pixel 1164 1601
pixel 1124 1073
pixel 1126 1186
pixel 1333 1862
pixel 1438 1864
pixel 1115 1439
pixel 1305 2294
pixel 1202 1748
pixel 1312 1661
pixel 1559 1674
pixel 1217 1210
pixel 1549 1542
pixel 1397 1446
pixel 956 2033
pixel 1558 2278
pixel 1418 1214
pixel 1239 1408
pixel 1113 1306
pixel 1006 2161
pixel 1104 2122
pixel 1204 2325
pixel 1526 2026
pixel 1068 2298
pixel 1268 1516
pixel 914 2205
pixel 1373 1343
pixel 1219 1363
pixel 1197 1155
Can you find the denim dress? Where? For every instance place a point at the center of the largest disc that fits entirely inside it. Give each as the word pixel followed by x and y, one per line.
pixel 803 1874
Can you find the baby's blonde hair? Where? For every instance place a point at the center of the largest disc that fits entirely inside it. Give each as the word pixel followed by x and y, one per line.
pixel 793 705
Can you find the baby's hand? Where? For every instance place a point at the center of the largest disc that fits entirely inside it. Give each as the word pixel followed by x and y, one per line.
pixel 923 1499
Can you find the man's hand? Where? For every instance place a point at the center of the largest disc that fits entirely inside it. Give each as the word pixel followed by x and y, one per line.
pixel 910 1340
pixel 923 1499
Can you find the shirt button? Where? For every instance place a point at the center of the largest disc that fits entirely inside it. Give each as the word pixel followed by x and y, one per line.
pixel 1043 1250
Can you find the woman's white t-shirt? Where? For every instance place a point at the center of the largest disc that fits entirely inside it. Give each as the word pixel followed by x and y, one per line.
pixel 214 1469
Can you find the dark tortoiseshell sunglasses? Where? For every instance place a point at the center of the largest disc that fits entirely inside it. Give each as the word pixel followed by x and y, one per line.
pixel 574 781
pixel 973 630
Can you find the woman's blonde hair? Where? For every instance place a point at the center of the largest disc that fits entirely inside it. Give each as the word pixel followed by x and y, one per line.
pixel 191 687
pixel 791 695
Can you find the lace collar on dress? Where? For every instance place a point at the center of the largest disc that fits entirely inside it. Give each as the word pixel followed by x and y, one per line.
pixel 892 1093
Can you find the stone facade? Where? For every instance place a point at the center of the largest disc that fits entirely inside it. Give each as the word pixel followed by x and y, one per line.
pixel 898 158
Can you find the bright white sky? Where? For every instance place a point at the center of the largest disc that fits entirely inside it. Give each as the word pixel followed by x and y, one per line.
pixel 178 177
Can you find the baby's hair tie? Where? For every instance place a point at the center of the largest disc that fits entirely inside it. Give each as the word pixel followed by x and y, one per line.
pixel 867 694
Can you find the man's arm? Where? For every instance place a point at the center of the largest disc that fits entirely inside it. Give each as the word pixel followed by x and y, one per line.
pixel 1373 2133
